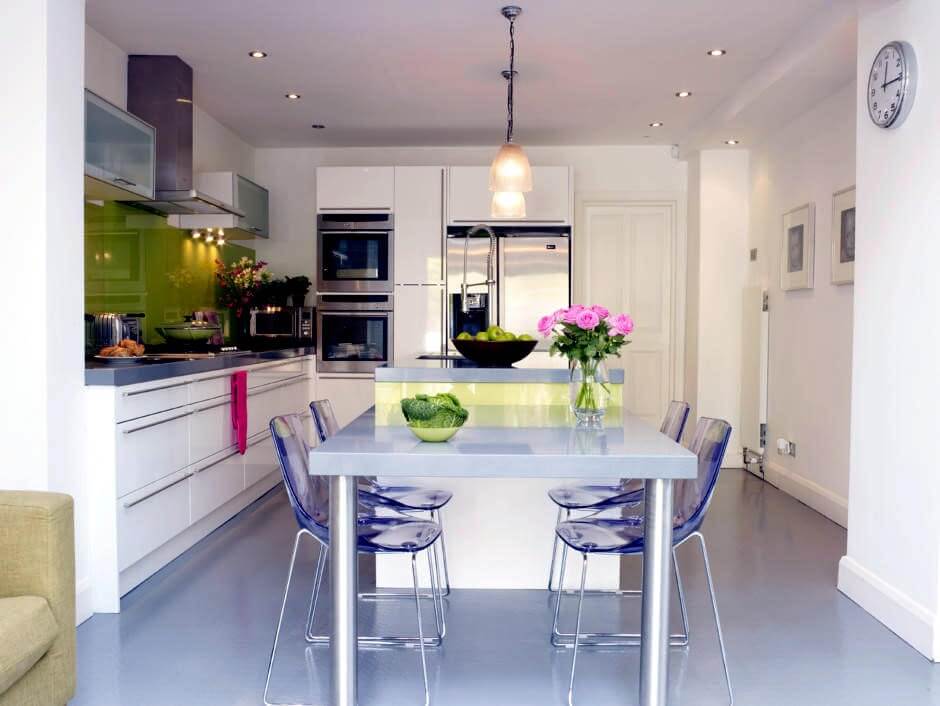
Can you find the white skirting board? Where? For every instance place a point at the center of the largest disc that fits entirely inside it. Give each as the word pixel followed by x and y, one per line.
pixel 906 618
pixel 823 501
pixel 84 601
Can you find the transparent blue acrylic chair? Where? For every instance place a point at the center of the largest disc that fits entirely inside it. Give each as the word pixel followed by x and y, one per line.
pixel 404 499
pixel 598 534
pixel 377 534
pixel 591 498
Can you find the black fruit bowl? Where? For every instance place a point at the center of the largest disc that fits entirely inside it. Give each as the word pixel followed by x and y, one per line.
pixel 493 354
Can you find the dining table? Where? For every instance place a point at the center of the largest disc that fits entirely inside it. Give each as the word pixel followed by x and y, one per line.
pixel 505 442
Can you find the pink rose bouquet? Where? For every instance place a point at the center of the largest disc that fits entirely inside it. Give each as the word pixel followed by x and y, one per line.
pixel 586 335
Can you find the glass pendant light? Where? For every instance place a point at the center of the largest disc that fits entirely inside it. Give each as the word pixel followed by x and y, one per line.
pixel 510 173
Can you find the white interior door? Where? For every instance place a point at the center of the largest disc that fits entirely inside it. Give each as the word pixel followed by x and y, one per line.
pixel 626 261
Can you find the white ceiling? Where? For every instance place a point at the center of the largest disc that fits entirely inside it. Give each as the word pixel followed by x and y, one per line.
pixel 380 72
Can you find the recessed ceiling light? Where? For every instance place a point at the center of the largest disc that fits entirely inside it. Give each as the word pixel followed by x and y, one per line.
pixel 292 96
pixel 317 126
pixel 257 54
pixel 683 94
pixel 732 141
pixel 717 52
pixel 656 124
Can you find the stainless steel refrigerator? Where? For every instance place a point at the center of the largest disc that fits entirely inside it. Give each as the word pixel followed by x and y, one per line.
pixel 531 277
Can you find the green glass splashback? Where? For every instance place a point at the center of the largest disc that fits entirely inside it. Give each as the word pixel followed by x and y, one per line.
pixel 135 262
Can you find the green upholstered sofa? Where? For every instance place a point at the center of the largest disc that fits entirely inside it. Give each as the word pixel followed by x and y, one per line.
pixel 37 599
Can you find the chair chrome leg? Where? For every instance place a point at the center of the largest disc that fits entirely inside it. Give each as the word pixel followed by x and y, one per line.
pixel 558 594
pixel 438 516
pixel 280 619
pixel 711 593
pixel 683 610
pixel 551 568
pixel 577 631
pixel 621 639
pixel 315 595
pixel 437 590
pixel 424 661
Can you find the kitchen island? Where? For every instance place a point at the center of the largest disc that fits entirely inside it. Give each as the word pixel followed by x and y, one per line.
pixel 510 442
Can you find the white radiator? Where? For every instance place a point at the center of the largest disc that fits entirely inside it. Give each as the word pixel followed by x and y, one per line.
pixel 754 363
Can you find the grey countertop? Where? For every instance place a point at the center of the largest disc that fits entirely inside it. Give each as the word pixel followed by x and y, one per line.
pixel 536 447
pixel 97 373
pixel 538 367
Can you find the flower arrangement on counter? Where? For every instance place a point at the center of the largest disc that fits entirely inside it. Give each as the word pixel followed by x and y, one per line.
pixel 240 282
pixel 586 335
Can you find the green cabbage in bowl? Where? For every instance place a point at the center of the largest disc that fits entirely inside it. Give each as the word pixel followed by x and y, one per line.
pixel 439 411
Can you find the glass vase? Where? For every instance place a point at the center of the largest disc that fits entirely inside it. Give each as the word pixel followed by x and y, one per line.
pixel 589 392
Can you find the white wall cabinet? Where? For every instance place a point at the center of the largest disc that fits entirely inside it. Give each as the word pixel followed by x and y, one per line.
pixel 419 317
pixel 355 188
pixel 469 196
pixel 120 153
pixel 242 193
pixel 419 225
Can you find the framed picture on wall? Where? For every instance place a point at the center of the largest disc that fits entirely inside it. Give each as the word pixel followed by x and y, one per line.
pixel 797 251
pixel 843 236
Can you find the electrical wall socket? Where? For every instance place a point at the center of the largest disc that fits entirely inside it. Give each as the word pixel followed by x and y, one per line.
pixel 785 447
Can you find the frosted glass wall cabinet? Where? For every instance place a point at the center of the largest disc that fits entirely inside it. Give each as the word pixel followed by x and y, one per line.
pixel 119 153
pixel 247 196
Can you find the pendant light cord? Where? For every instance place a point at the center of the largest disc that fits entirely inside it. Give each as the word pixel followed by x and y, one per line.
pixel 512 74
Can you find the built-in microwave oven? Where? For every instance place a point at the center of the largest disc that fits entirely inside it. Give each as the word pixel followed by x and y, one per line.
pixel 294 323
pixel 356 252
pixel 354 332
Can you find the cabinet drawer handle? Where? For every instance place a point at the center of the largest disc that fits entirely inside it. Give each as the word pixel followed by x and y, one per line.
pixel 213 377
pixel 264 437
pixel 157 492
pixel 155 389
pixel 276 385
pixel 213 406
pixel 154 424
pixel 216 462
pixel 122 180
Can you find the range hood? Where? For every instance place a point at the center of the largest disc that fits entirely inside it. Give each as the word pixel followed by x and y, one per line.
pixel 160 92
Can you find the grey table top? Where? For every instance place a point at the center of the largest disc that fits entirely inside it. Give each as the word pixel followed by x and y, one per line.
pixel 628 447
pixel 104 374
pixel 536 368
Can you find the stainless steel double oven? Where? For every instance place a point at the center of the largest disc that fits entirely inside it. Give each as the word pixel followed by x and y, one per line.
pixel 355 285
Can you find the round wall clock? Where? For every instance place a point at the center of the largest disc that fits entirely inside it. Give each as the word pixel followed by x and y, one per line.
pixel 891 84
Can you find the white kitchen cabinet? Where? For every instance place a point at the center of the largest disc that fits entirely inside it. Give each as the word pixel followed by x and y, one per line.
pixel 419 321
pixel 150 517
pixel 469 196
pixel 150 448
pixel 167 469
pixel 214 482
pixel 211 429
pixel 260 458
pixel 355 188
pixel 419 225
pixel 242 193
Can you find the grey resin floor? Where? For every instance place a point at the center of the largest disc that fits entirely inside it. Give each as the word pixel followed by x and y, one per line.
pixel 199 632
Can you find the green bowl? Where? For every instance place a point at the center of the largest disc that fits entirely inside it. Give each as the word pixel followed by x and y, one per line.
pixel 434 434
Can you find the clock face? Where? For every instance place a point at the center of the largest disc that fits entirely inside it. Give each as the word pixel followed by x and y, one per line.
pixel 889 84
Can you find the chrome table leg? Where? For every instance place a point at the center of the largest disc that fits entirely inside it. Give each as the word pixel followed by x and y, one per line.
pixel 654 641
pixel 344 585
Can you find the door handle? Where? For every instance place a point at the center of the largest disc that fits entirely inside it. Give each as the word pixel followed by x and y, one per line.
pixel 156 424
pixel 157 492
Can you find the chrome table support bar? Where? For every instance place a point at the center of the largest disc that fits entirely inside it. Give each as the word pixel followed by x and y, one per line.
pixel 654 646
pixel 344 585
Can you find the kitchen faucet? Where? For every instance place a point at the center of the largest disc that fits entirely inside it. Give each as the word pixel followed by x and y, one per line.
pixel 490 275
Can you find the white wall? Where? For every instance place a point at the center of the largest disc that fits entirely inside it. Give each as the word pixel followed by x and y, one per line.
pixel 41 139
pixel 891 565
pixel 722 274
pixel 290 175
pixel 810 330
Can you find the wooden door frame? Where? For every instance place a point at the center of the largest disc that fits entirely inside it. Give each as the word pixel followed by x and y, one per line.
pixel 676 203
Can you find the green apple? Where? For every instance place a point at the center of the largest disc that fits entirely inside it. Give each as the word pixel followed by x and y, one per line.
pixel 494 332
pixel 525 337
pixel 482 336
pixel 508 336
pixel 464 336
